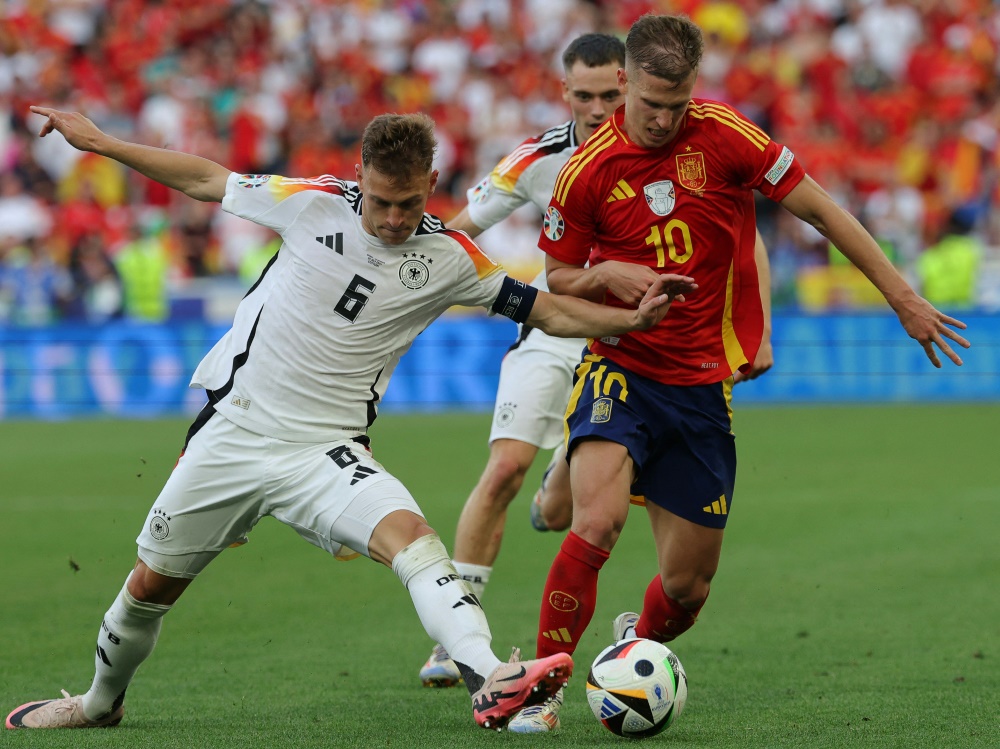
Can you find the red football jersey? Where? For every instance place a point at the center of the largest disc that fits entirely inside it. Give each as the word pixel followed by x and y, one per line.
pixel 687 208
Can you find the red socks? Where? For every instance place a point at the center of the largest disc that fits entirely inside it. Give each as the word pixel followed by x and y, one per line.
pixel 570 596
pixel 662 618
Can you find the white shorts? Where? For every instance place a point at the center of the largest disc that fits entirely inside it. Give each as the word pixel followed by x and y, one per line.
pixel 332 494
pixel 536 378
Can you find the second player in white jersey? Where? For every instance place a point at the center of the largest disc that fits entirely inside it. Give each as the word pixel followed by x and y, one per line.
pixel 527 175
pixel 537 373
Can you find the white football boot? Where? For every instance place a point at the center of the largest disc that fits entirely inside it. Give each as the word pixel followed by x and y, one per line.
pixel 66 712
pixel 538 718
pixel 440 670
pixel 623 627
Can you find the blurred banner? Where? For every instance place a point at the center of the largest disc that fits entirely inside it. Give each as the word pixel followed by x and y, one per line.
pixel 138 370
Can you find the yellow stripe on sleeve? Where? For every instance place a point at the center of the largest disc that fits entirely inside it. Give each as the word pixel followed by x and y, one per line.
pixel 740 126
pixel 730 114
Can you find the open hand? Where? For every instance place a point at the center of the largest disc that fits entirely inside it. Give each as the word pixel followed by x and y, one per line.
pixel 930 327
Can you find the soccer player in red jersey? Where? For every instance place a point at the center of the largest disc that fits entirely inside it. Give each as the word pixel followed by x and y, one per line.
pixel 667 185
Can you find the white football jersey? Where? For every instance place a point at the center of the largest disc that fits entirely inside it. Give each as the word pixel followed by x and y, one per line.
pixel 316 339
pixel 527 175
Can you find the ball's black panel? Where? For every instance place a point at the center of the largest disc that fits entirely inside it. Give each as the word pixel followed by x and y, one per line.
pixel 643 667
pixel 614 723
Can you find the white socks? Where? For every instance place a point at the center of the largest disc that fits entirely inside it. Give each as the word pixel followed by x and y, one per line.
pixel 447 607
pixel 476 575
pixel 126 638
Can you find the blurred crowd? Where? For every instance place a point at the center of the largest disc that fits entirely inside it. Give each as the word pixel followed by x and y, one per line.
pixel 892 105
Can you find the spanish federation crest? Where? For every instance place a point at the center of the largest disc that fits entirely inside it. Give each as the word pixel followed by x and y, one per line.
pixel 691 170
pixel 601 411
pixel 660 197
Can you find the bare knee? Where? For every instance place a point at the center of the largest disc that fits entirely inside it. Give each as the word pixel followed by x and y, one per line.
pixel 600 529
pixel 395 532
pixel 688 588
pixel 151 587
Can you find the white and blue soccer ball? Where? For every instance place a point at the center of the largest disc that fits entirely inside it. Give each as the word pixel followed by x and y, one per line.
pixel 637 687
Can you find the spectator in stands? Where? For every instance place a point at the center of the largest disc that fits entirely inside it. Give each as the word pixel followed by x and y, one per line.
pixel 292 83
pixel 34 287
pixel 22 215
pixel 143 263
pixel 947 269
pixel 97 290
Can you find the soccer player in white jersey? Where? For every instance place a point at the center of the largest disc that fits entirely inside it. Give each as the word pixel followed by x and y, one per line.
pixel 537 373
pixel 294 386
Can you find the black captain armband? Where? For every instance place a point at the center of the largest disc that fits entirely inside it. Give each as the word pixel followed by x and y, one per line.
pixel 515 300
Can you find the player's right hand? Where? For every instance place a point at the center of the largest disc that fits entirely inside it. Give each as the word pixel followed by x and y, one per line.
pixel 666 289
pixel 78 131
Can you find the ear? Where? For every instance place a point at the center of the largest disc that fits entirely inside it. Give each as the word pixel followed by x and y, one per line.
pixel 433 181
pixel 622 81
pixel 358 176
pixel 565 90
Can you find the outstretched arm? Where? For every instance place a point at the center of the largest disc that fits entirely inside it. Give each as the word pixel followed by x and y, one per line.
pixel 194 176
pixel 919 318
pixel 568 317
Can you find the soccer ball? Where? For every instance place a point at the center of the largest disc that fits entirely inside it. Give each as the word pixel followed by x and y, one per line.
pixel 636 688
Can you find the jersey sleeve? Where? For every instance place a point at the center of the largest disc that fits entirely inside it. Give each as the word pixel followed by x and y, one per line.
pixel 480 279
pixel 490 203
pixel 780 172
pixel 759 162
pixel 568 226
pixel 274 201
pixel 524 176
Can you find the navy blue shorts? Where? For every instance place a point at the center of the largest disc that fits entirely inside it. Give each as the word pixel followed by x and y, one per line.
pixel 679 437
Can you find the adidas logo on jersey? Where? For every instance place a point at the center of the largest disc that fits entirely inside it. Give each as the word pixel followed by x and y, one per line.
pixel 622 191
pixel 361 473
pixel 333 242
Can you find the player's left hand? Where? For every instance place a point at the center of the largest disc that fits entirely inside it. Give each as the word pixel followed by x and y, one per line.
pixel 666 289
pixel 923 322
pixel 761 363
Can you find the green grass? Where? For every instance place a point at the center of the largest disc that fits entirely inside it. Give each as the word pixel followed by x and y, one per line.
pixel 857 603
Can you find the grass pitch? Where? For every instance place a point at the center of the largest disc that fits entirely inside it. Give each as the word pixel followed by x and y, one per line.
pixel 856 606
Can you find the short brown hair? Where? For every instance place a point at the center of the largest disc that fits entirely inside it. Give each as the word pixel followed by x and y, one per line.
pixel 594 50
pixel 399 146
pixel 668 47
